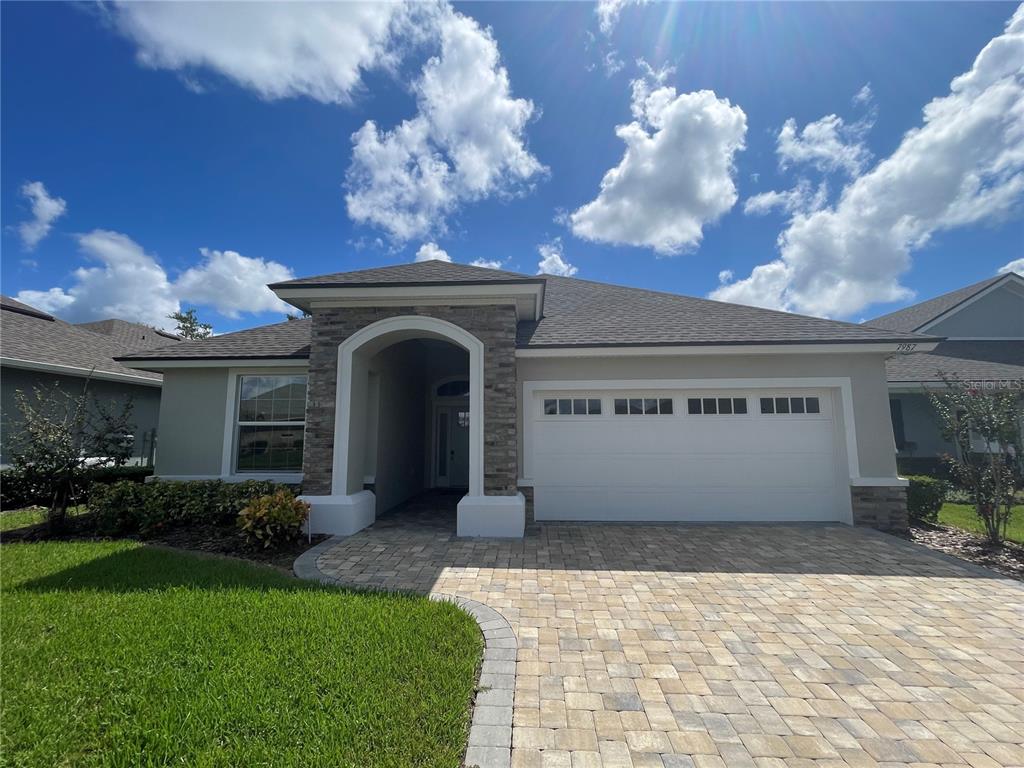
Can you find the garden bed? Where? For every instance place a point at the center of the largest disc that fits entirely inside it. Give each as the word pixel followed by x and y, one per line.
pixel 26 525
pixel 1007 559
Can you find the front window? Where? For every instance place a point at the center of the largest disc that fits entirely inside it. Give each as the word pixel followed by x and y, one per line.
pixel 271 420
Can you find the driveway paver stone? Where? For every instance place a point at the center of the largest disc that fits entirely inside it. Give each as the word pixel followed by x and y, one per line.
pixel 738 645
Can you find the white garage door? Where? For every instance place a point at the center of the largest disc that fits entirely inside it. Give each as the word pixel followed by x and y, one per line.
pixel 728 455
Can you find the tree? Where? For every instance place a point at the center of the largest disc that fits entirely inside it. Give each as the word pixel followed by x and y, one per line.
pixel 60 436
pixel 189 326
pixel 985 426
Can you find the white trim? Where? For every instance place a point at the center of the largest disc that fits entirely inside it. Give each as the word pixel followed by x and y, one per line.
pixel 74 370
pixel 231 415
pixel 861 482
pixel 409 323
pixel 725 349
pixel 985 338
pixel 491 516
pixel 1009 277
pixel 529 295
pixel 221 362
pixel 841 383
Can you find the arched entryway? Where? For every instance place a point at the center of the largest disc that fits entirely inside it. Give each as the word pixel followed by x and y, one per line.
pixel 356 427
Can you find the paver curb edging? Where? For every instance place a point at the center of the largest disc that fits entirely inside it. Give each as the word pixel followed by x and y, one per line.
pixel 490 734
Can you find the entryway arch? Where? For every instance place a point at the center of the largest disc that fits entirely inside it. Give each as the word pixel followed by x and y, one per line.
pixel 352 392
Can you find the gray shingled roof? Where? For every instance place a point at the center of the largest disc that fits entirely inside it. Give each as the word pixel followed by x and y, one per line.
pixel 966 360
pixel 433 271
pixel 917 315
pixel 35 336
pixel 580 313
pixel 289 339
pixel 577 313
pixel 131 336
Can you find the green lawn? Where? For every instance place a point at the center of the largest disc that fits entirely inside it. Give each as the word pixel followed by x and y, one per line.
pixel 117 654
pixel 963 516
pixel 19 518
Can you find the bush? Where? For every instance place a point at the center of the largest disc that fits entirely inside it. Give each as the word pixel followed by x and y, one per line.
pixel 146 508
pixel 925 497
pixel 16 491
pixel 271 520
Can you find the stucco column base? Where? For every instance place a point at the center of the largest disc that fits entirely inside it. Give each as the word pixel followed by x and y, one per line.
pixel 492 516
pixel 341 515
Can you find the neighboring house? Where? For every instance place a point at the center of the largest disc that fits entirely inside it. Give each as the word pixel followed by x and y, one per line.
pixel 983 326
pixel 575 399
pixel 37 349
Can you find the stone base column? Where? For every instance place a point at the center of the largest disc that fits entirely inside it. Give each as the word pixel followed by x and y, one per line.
pixel 882 507
pixel 340 515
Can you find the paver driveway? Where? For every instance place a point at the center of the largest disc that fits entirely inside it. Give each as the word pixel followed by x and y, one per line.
pixel 731 645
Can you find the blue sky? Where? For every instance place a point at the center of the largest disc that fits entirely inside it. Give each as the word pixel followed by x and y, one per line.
pixel 159 156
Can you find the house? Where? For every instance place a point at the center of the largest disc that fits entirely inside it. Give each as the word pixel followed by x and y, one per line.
pixel 38 349
pixel 983 326
pixel 548 396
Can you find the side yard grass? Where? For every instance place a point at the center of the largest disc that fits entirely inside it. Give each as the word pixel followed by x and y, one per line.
pixel 115 653
pixel 963 516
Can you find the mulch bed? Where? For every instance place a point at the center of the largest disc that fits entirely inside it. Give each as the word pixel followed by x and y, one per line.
pixel 211 539
pixel 1007 559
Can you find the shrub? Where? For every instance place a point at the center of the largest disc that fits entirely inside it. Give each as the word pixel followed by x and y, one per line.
pixel 16 490
pixel 273 519
pixel 127 507
pixel 925 497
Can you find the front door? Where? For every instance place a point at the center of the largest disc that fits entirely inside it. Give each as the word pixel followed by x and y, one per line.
pixel 451 444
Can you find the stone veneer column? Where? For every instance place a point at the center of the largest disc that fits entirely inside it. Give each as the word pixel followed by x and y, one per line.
pixel 883 507
pixel 494 325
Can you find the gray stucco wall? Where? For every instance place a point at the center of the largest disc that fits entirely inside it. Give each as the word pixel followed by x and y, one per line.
pixel 146 402
pixel 192 421
pixel 999 314
pixel 876 447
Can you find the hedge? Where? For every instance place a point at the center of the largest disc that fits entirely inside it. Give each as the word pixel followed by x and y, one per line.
pixel 925 497
pixel 15 493
pixel 126 507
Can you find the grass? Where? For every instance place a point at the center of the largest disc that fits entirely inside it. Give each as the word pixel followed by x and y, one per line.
pixel 963 516
pixel 116 654
pixel 21 518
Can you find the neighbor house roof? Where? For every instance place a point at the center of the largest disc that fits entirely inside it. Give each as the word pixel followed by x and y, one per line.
pixel 130 335
pixel 31 338
pixel 917 316
pixel 964 360
pixel 577 313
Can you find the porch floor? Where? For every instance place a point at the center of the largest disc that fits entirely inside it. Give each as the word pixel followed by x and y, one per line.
pixel 432 512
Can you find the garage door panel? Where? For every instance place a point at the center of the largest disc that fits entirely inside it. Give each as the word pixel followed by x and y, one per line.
pixel 685 466
pixel 719 470
pixel 669 504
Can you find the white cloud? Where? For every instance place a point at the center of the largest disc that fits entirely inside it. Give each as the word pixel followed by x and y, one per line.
pixel 233 283
pixel 608 12
pixel 803 198
pixel 487 263
pixel 725 276
pixel 45 210
pixel 465 143
pixel 864 96
pixel 676 174
pixel 131 284
pixel 963 165
pixel 277 50
pixel 552 261
pixel 828 144
pixel 430 251
pixel 1017 265
pixel 128 283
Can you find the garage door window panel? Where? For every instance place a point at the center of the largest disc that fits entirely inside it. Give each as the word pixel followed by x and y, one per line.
pixel 716 406
pixel 576 406
pixel 643 406
pixel 791 405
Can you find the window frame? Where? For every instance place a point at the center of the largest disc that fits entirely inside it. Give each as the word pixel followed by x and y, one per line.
pixel 802 411
pixel 571 402
pixel 636 404
pixel 716 400
pixel 235 424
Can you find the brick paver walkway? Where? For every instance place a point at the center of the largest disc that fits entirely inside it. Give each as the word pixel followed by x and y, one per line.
pixel 729 646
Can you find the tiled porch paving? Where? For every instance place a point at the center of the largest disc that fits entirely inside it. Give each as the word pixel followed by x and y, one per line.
pixel 727 645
